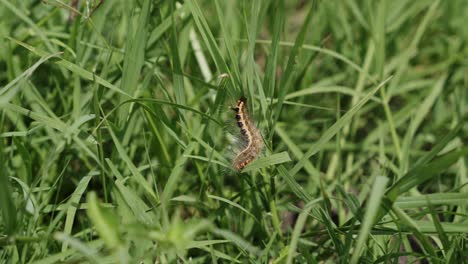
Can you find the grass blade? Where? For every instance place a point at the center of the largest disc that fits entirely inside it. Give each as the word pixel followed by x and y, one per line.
pixel 333 130
pixel 371 212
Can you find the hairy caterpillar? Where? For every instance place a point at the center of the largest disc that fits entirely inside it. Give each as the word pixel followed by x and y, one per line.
pixel 250 136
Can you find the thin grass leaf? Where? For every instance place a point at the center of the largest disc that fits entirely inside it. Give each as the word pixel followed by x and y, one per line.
pixel 55 258
pixel 72 208
pixel 328 89
pixel 185 199
pixel 20 14
pixel 210 42
pixel 224 200
pixel 90 76
pixel 440 230
pixel 422 171
pixel 135 203
pixel 331 53
pixel 333 130
pixel 90 253
pixel 236 239
pixel 332 232
pixel 134 56
pixel 434 198
pixel 309 168
pixel 295 187
pixel 425 172
pixel 300 223
pixel 371 212
pixel 104 221
pixel 289 70
pixel 7 205
pixel 51 122
pixel 228 43
pixel 264 162
pixel 408 222
pixel 7 92
pixel 176 173
pixel 136 174
pixel 269 81
pixel 178 86
pixel 421 113
pixel 165 25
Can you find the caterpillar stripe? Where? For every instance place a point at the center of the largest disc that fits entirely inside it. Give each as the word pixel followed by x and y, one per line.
pixel 249 134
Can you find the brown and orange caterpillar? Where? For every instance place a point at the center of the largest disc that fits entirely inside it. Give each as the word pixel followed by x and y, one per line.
pixel 250 135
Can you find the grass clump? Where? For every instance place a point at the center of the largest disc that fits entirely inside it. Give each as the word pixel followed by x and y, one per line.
pixel 114 140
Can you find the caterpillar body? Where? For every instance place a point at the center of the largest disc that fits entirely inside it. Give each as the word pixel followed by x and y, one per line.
pixel 250 135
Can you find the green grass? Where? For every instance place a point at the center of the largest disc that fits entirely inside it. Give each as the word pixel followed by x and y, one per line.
pixel 116 131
